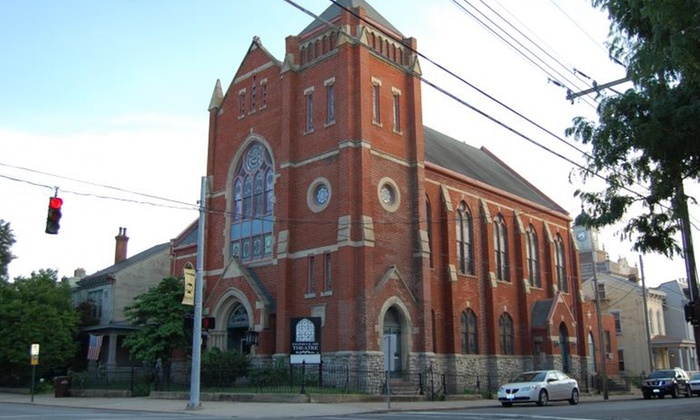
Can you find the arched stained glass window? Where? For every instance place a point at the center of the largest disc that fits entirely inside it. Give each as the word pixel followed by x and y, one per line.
pixel 505 324
pixel 465 247
pixel 532 251
pixel 470 344
pixel 253 204
pixel 500 244
pixel 560 264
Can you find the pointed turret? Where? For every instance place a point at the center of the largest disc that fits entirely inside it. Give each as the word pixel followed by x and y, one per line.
pixel 217 97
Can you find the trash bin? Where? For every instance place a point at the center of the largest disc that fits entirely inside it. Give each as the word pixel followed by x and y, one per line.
pixel 61 386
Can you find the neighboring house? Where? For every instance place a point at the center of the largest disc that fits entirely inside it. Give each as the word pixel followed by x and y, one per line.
pixel 622 296
pixel 108 291
pixel 329 198
pixel 677 347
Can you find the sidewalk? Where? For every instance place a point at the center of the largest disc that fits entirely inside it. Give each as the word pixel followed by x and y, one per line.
pixel 263 410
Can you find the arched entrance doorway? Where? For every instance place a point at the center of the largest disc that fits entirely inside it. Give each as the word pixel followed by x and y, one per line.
pixel 592 358
pixel 237 328
pixel 564 348
pixel 392 337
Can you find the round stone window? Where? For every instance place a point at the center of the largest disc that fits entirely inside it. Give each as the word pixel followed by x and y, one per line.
pixel 389 195
pixel 318 195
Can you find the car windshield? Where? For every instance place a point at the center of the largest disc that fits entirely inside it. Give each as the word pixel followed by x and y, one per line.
pixel 663 374
pixel 530 377
pixel 696 376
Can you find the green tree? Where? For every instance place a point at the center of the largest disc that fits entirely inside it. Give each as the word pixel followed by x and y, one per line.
pixel 7 238
pixel 159 314
pixel 38 310
pixel 646 141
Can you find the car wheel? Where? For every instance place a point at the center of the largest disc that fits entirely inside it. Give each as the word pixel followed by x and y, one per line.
pixel 646 395
pixel 674 392
pixel 543 398
pixel 507 404
pixel 574 397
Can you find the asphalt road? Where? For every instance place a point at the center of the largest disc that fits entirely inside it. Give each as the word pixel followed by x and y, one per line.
pixel 636 409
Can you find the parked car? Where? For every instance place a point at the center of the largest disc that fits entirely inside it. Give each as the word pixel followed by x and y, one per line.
pixel 540 387
pixel 694 382
pixel 662 382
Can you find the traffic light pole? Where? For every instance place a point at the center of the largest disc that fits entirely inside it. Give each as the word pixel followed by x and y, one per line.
pixel 194 402
pixel 690 267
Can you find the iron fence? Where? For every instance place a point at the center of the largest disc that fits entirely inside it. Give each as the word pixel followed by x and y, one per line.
pixel 275 377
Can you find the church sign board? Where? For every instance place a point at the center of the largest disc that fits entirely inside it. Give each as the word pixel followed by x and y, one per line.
pixel 306 341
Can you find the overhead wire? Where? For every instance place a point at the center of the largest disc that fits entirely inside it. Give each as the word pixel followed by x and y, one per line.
pixel 560 78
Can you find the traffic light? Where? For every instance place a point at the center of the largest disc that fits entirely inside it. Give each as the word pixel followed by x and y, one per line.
pixel 54 215
pixel 689 309
pixel 208 323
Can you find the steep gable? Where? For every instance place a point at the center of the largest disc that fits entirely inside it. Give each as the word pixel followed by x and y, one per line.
pixel 334 11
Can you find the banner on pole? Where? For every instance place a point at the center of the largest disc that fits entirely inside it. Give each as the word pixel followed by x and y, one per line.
pixel 188 298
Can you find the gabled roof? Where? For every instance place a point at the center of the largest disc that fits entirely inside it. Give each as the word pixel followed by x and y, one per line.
pixel 335 9
pixel 540 313
pixel 480 165
pixel 116 268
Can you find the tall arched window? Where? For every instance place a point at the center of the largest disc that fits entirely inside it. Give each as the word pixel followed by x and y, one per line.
pixel 533 267
pixel 560 264
pixel 253 203
pixel 429 218
pixel 465 243
pixel 505 324
pixel 470 344
pixel 500 244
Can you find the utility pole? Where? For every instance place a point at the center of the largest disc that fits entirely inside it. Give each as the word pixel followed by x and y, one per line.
pixel 601 343
pixel 194 402
pixel 690 267
pixel 596 88
pixel 646 315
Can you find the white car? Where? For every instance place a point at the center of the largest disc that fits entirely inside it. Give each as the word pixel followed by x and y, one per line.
pixel 694 382
pixel 540 387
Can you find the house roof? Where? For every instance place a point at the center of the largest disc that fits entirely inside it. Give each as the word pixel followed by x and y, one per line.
pixel 480 165
pixel 540 312
pixel 335 9
pixel 116 268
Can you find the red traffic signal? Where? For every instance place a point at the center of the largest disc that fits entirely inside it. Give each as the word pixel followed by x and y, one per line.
pixel 208 323
pixel 54 216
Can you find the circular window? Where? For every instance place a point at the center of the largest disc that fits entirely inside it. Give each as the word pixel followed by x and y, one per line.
pixel 318 195
pixel 389 195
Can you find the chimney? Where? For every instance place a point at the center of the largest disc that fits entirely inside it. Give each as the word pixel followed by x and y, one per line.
pixel 120 251
pixel 79 273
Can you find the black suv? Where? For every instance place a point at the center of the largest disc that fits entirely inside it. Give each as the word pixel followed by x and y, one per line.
pixel 664 382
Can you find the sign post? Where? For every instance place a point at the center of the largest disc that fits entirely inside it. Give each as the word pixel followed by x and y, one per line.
pixel 34 355
pixel 389 364
pixel 306 344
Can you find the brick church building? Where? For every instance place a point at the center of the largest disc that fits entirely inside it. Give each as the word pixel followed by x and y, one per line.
pixel 329 198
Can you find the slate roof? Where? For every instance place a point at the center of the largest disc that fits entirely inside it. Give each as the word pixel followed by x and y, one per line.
pixel 478 164
pixel 540 312
pixel 110 271
pixel 334 11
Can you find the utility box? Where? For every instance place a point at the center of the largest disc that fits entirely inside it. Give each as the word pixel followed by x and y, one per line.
pixel 61 386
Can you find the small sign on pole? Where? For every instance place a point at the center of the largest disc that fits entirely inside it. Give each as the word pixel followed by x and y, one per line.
pixel 34 356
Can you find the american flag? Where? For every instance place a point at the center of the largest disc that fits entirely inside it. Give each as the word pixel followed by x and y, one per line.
pixel 95 346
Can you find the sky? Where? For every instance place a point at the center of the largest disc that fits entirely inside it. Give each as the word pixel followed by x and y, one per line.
pixel 104 103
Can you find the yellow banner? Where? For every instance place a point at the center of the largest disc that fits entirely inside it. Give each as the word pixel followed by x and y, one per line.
pixel 188 299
